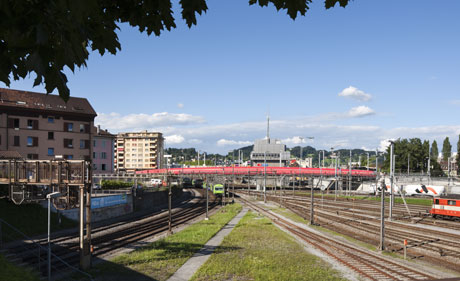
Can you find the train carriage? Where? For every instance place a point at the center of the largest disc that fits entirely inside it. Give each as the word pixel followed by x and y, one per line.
pixel 217 189
pixel 446 207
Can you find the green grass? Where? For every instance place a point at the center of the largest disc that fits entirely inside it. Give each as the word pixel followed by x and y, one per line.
pixel 288 214
pixel 31 219
pixel 160 259
pixel 398 200
pixel 10 272
pixel 257 250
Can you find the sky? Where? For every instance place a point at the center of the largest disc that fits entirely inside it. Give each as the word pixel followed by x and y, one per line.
pixel 350 77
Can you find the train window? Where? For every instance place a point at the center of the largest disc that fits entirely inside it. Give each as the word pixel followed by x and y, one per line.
pixel 437 202
pixel 451 202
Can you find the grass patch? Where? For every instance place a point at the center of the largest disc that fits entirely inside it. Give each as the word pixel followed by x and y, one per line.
pixel 10 272
pixel 162 258
pixel 257 250
pixel 288 214
pixel 31 219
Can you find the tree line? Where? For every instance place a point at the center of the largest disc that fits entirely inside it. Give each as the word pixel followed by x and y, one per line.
pixel 414 156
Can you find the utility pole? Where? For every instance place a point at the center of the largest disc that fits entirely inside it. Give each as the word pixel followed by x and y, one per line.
pixel 391 180
pixel 265 176
pixel 349 175
pixel 198 157
pixel 408 163
pixel 207 202
pixel 368 161
pixel 311 206
pixel 382 215
pixel 300 161
pixel 429 163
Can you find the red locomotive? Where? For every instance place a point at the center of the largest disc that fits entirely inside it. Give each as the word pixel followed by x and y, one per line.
pixel 446 207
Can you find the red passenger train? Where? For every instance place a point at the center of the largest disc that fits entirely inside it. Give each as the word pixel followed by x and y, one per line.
pixel 446 207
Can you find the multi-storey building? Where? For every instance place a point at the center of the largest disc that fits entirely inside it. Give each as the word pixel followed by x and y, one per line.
pixel 103 156
pixel 41 126
pixel 139 151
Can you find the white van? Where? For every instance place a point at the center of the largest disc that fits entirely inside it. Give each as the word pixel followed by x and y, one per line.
pixel 156 182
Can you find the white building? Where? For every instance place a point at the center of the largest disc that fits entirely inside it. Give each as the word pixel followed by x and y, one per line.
pixel 139 151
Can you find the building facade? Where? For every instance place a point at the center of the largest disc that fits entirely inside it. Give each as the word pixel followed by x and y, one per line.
pixel 271 152
pixel 42 126
pixel 139 151
pixel 103 153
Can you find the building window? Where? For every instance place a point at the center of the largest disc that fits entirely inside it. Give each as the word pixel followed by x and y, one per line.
pixel 16 141
pixel 13 123
pixel 51 135
pixel 50 151
pixel 94 143
pixel 68 127
pixel 50 119
pixel 32 156
pixel 32 141
pixel 94 155
pixel 94 167
pixel 30 124
pixel 82 128
pixel 103 143
pixel 103 155
pixel 68 143
pixel 68 157
pixel 84 144
pixel 103 167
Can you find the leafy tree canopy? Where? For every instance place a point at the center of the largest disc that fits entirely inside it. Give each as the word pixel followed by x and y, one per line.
pixel 446 149
pixel 46 36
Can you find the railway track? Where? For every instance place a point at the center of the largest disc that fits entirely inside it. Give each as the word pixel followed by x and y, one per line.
pixel 436 246
pixel 368 265
pixel 107 240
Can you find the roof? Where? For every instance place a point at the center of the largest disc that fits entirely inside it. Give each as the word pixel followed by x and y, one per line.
pixel 40 101
pixel 10 154
pixel 102 133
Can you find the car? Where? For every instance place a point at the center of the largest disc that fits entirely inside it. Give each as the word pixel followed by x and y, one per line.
pixel 156 182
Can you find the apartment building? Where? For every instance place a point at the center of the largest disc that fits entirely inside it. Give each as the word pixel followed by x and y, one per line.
pixel 41 126
pixel 139 151
pixel 103 154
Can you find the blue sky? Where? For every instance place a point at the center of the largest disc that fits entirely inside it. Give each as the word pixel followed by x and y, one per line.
pixel 212 86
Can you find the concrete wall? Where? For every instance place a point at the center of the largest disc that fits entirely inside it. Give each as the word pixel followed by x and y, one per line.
pixel 143 201
pixel 100 213
pixel 154 200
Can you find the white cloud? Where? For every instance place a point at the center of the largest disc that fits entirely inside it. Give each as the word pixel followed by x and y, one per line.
pixel 355 93
pixel 360 111
pixel 384 144
pixel 194 141
pixel 174 139
pixel 141 121
pixel 180 105
pixel 224 142
pixel 294 140
pixel 327 132
pixel 455 102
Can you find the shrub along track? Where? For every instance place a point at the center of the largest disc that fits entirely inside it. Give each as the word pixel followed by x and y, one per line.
pixel 108 239
pixel 368 265
pixel 435 246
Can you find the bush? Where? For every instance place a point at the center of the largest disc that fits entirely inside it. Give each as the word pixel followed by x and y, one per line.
pixel 113 184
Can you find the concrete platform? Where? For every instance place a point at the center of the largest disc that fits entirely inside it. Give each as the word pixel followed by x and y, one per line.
pixel 186 271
